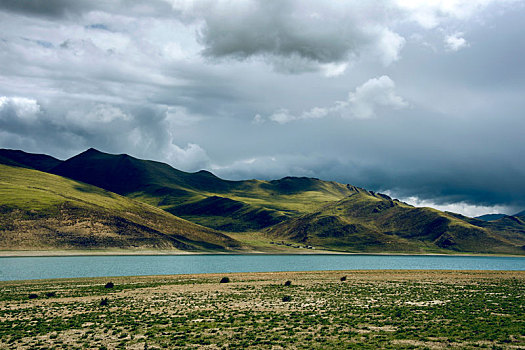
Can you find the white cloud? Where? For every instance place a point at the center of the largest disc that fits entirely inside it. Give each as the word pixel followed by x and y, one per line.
pixel 469 210
pixel 333 69
pixel 431 13
pixel 25 109
pixel 189 158
pixel 363 103
pixel 258 119
pixel 389 46
pixel 376 92
pixel 283 116
pixel 455 42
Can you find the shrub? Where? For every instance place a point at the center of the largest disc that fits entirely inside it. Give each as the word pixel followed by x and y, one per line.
pixel 288 283
pixel 343 278
pixel 33 296
pixel 109 285
pixel 104 302
pixel 287 298
pixel 225 280
pixel 51 294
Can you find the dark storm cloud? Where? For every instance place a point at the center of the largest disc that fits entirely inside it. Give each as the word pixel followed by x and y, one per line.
pixel 63 8
pixel 51 8
pixel 297 36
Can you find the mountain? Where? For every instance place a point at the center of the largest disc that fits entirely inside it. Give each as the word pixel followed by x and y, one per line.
pixel 371 222
pixel 490 217
pixel 28 160
pixel 44 211
pixel 262 215
pixel 202 197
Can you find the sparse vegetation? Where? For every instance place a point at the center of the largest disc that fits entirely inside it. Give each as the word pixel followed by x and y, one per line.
pixel 372 310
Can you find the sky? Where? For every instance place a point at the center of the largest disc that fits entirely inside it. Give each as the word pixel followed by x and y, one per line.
pixel 423 100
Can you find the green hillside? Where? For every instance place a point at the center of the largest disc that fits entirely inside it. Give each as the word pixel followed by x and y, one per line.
pixel 202 197
pixel 280 215
pixel 43 211
pixel 370 222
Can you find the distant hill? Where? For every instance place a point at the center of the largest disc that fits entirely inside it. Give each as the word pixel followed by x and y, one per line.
pixel 292 211
pixel 520 214
pixel 28 160
pixel 368 222
pixel 45 211
pixel 490 217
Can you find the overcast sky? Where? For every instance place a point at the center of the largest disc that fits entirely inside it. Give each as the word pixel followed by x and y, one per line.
pixel 424 100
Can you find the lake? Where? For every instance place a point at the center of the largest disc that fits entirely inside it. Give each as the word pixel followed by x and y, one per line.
pixel 23 268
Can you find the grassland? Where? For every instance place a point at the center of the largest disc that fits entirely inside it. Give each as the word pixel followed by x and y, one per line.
pixel 318 310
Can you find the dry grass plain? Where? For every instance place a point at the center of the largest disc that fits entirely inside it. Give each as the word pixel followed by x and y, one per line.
pixel 369 309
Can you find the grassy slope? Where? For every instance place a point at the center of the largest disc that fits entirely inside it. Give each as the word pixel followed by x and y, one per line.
pixel 307 210
pixel 369 222
pixel 202 197
pixel 44 211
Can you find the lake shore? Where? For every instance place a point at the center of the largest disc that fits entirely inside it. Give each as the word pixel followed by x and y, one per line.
pixel 321 309
pixel 130 252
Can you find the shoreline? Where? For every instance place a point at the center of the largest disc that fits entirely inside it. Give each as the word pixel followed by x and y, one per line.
pixel 125 252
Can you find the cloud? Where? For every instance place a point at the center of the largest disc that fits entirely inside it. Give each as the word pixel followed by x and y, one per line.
pixel 240 85
pixel 376 92
pixel 430 14
pixel 192 157
pixel 455 42
pixel 74 126
pixel 361 104
pixel 466 209
pixel 59 9
pixel 21 108
pixel 294 36
pixel 277 166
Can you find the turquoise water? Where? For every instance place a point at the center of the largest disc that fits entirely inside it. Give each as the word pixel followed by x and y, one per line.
pixel 101 266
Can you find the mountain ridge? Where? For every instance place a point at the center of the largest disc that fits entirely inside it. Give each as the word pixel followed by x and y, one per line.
pixel 304 210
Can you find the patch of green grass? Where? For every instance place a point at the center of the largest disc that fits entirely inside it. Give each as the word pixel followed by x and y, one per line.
pixel 372 309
